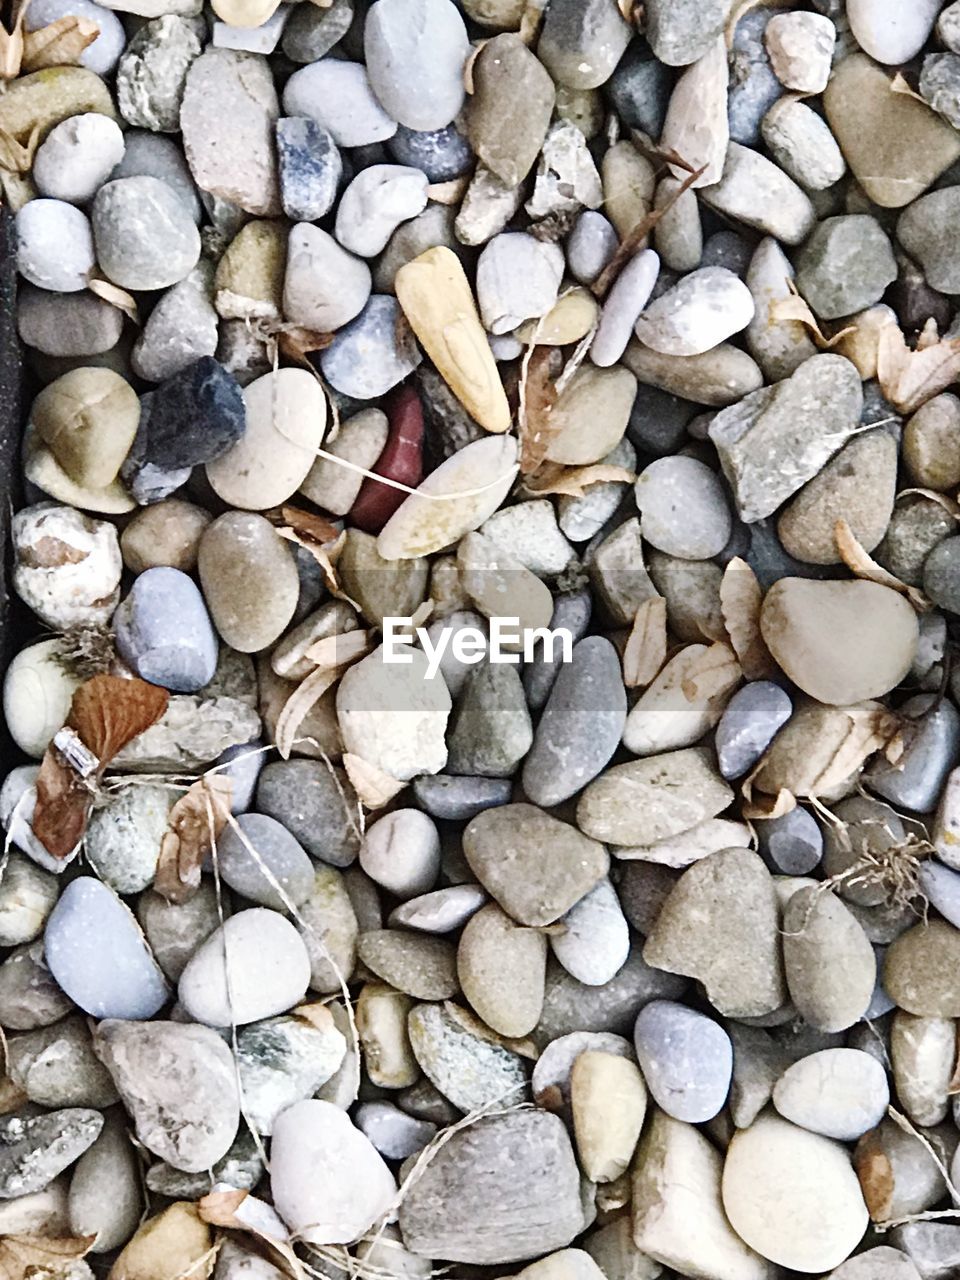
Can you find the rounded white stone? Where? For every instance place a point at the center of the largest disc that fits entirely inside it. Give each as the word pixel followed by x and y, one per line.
pixel 891 31
pixel 77 157
pixel 401 852
pixel 683 508
pixel 375 203
pixel 596 943
pixel 697 314
pixel 839 1093
pixel 54 246
pixel 37 692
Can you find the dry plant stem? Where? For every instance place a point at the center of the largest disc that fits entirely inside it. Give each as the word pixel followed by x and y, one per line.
pixel 930 1215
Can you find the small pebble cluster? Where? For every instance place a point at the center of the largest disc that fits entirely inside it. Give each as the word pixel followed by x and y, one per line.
pixel 634 320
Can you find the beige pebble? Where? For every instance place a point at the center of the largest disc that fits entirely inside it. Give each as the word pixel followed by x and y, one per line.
pixel 628 187
pixel 502 968
pixel 382 1025
pixel 360 441
pixel 42 469
pixel 172 1243
pixel 167 533
pixel 591 414
pixel 609 1101
pixel 500 586
pixel 570 318
pixel 249 579
pixel 88 419
pixel 931 443
pixel 922 1053
pixel 249 280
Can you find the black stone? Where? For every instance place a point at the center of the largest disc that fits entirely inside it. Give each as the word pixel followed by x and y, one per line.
pixel 441 154
pixel 192 418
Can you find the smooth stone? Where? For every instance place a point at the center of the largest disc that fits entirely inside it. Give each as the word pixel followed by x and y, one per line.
pixel 933 1247
pixel 257 37
pixel 858 485
pixel 380 588
pixel 839 1093
pixel 374 204
pixel 268 968
pixel 317 805
pixel 720 925
pixel 800 46
pixel 499 1191
pixel 890 34
pixel 696 125
pixel 882 1263
pixel 931 442
pixel 792 1195
pixel 609 1102
pixel 37 692
pixel 591 415
pixel 501 968
pixel 917 525
pixel 337 94
pixel 249 581
pixel 194 417
pixel 153 72
pixel 529 532
pixel 689 846
pixel 822 939
pixel 35 1149
pixel 802 144
pixel 845 265
pixel 779 346
pixel 552 1078
pixel 895 145
pixel 490 729
pixel 509 111
pixel 324 286
pixel 518 277
pixel 29 995
pixel 920 229
pixel 401 852
pixel 922 1052
pixel 683 508
pixel 180 330
pixel 102 54
pixel 440 154
pixel 590 246
pixel 310 168
pixel 461 1060
pixel 931 751
pixel 680 31
pixel 55 248
pixel 685 1058
pixel 718 377
pixel 596 942
pixel 625 302
pixel 566 753
pixel 164 632
pixel 227 117
pixel 570 1006
pixel 629 184
pixel 285 879
pixel 105 1198
pixel 88 419
pixel 282 1061
pixel 647 800
pixel 572 611
pixel 174 930
pixel 178 1082
pixel 941 887
pixel 840 642
pixel 415 51
pixel 917 967
pixel 750 721
pixel 395 1134
pixel 145 237
pixel 666 716
pixel 432 228
pixel 755 191
pixel 77 157
pixel 44 98
pixel 360 441
pixel 753 85
pixel 167 533
pixel 123 837
pixel 459 799
pixel 442 911
pixel 940 574
pixel 534 899
pixel 71 324
pixel 57 1067
pixel 122 981
pixel 418 965
pixel 373 352
pixel 154 155
pixel 898 1174
pixel 582 41
pixel 329 928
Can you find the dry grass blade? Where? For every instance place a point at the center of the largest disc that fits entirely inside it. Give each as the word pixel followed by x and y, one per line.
pixel 116 296
pixel 864 566
pixel 908 378
pixel 572 481
pixel 373 787
pixel 195 822
pixel 740 601
pixel 22 1256
pixel 634 240
pixel 296 708
pixel 326 555
pixel 59 44
pixel 646 648
pixel 339 650
pixel 538 398
pixel 950 505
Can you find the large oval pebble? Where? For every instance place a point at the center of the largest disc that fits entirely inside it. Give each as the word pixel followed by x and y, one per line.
pixel 249 579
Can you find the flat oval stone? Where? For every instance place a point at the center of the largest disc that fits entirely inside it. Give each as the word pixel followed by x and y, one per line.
pixel 839 1093
pixel 518 277
pixel 823 940
pixel 316 804
pixel 324 286
pixel 164 632
pixel 329 928
pixel 683 508
pixel 415 51
pixel 686 1060
pixel 750 721
pixel 145 236
pixel 442 911
pixel 509 111
pixel 793 1195
pixel 77 157
pixel 55 247
pixel 918 967
pixel 401 852
pixel 596 942
pixel 420 966
pixel 37 692
pixel 76 324
pixel 395 1134
pixel 286 876
pixel 459 799
pixel 249 580
pixel 841 642
pixel 373 352
pixel 501 968
pixel 533 892
pixel 931 752
pixel 337 94
pixel 96 952
pixel 268 966
pixel 697 314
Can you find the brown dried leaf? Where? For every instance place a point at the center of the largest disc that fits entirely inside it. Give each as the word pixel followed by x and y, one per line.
pixel 908 378
pixel 712 673
pixel 225 1209
pixel 374 787
pixel 864 566
pixel 59 44
pixel 573 480
pixel 307 524
pixel 194 823
pixel 326 555
pixel 339 650
pixel 116 296
pixel 740 601
pixel 469 64
pixel 538 397
pixel 870 728
pixel 317 1014
pixel 795 308
pixel 764 806
pixel 899 85
pixel 296 708
pixel 875 1173
pixel 21 1255
pixel 11 45
pixel 646 648
pixel 17 157
pixel 295 343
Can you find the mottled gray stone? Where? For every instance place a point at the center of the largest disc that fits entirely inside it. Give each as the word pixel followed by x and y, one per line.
pixel 845 266
pixel 469 1069
pixel 372 353
pixel 153 71
pixel 316 805
pixel 748 725
pixel 282 1061
pixel 145 236
pixel 686 1060
pixel 288 875
pixel 34 1149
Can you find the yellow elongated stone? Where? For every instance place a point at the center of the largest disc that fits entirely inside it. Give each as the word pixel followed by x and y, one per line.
pixel 437 301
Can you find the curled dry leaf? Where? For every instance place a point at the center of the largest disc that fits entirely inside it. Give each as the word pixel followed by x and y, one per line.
pixel 646 648
pixel 740 601
pixel 11 44
pixel 326 555
pixel 908 378
pixel 59 44
pixel 22 1256
pixel 469 64
pixel 713 673
pixel 239 1211
pixel 950 505
pixel 538 397
pixel 305 523
pixel 195 822
pixel 331 655
pixel 572 481
pixel 339 650
pixel 106 713
pixel 864 566
pixel 295 342
pixel 899 84
pixel 17 157
pixel 764 806
pixel 116 296
pixel 794 307
pixel 373 787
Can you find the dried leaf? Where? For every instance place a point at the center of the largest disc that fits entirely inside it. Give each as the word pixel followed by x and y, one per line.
pixel 448 192
pixel 468 65
pixel 11 45
pixel 305 523
pixel 374 787
pixel 712 673
pixel 635 238
pixel 764 806
pixel 795 308
pixel 194 823
pixel 22 1254
pixel 646 648
pixel 628 9
pixel 296 343
pixel 864 566
pixel 116 296
pixel 59 44
pixel 239 1211
pixel 899 85
pixel 950 505
pixel 339 650
pixel 106 713
pixel 12 1098
pixel 870 726
pixel 740 600
pixel 308 692
pixel 573 480
pixel 17 157
pixel 538 397
pixel 326 555
pixel 954 1086
pixel 908 378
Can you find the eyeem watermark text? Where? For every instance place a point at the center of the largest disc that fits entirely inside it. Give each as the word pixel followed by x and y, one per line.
pixel 506 642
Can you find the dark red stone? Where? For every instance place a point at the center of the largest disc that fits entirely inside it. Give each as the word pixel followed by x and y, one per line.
pixel 401 459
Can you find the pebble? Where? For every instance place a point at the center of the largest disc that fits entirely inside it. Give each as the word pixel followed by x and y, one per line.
pixel 310 168
pixel 792 1195
pixel 509 111
pixel 467 1066
pixel 415 51
pixel 180 331
pixel 916 968
pixel 669 1039
pixel 609 1102
pixel 501 968
pixel 519 1193
pixel 187 1112
pixel 802 144
pixel 623 306
pixel 576 863
pixel 895 145
pixel 840 642
pixel 696 125
pixel 401 852
pixel 54 246
pixel 282 1061
pixel 801 48
pixel 932 749
pixel 307 36
pixel 122 981
pixel 316 806
pixel 37 1148
pixel 920 231
pixel 418 965
pixel 123 837
pixel 490 730
pixel 518 277
pixel 105 1197
pixel 77 157
pixel 753 190
pixel 845 265
pixel 689 846
pixel 567 177
pixel 922 1053
pixel 931 438
pixel 718 377
pixel 441 154
pixel 590 246
pixel 582 42
pixel 153 70
pixel 227 117
pixel 67 324
pixel 175 930
pixel 337 95
pixel 888 33
pixel 102 54
pixel 144 234
pixel 324 286
pixel 329 928
pixel 164 633
pixel 441 911
pixel 882 1263
pixel 749 723
pixel 821 939
pixel 29 996
pixel 372 353
pixel 779 346
pixel 596 942
pixel 249 580
pixel 287 875
pixel 839 1093
pixel 56 1067
pixel 394 1134
pixel 375 203
pixel 459 799
pixel 37 692
pixel 683 508
pixel 938 84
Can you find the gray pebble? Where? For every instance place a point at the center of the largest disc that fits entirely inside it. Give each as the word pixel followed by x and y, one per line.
pixel 164 632
pixel 684 508
pixel 750 721
pixel 793 843
pixel 54 246
pixel 372 353
pixel 441 154
pixel 312 32
pixel 144 234
pixel 845 266
pixel 310 166
pixel 123 836
pixel 801 143
pixel 57 1067
pixel 96 952
pixel 153 155
pixel 67 324
pixel 840 1093
pixel 34 1149
pixel 375 203
pixel 931 730
pixel 262 39
pixel 279 851
pixel 640 89
pixel 174 930
pixel 518 278
pixel 469 1070
pixel 923 230
pixel 686 1060
pixel 441 911
pixel 415 51
pixel 77 157
pixel 338 96
pixel 490 730
pixel 316 806
pixel 180 329
pixel 582 41
pixel 942 888
pixel 324 286
pixel 153 72
pixel 460 799
pixel 583 517
pixel 590 246
pixel 596 942
pixel 940 85
pixel 941 574
pixel 29 996
pixel 625 301
pixel 753 86
pixel 681 31
pixel 101 56
pixel 105 1197
pixel 282 1061
pixel 395 1134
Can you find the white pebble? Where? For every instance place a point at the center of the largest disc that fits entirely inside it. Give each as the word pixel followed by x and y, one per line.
pixel 37 692
pixel 262 39
pixel 67 565
pixel 77 157
pixel 54 246
pixel 697 314
pixel 596 942
pixel 401 852
pixel 337 94
pixel 375 203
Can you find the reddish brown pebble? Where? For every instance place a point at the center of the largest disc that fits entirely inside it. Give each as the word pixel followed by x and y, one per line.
pixel 402 460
